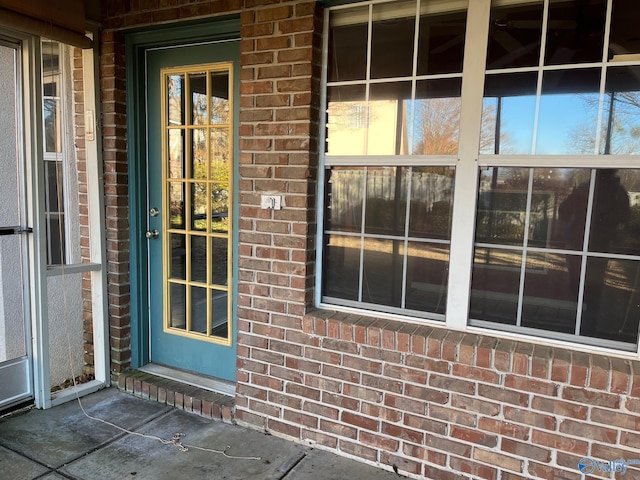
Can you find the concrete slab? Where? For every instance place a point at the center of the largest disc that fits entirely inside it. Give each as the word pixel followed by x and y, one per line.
pixel 13 466
pixel 145 459
pixel 57 436
pixel 319 465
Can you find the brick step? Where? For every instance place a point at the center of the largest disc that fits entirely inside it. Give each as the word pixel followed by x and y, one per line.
pixel 200 401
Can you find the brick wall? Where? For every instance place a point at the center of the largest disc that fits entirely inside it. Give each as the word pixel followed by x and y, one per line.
pixel 438 403
pixel 425 400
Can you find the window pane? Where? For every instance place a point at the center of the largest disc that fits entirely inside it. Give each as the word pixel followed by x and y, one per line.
pixel 568 112
pixel 559 207
pixel 436 117
pixel 52 131
pixel 219 107
pixel 341 267
pixel 348 44
pixel 382 272
pixel 347 120
pixel 611 299
pixel 431 202
pixel 508 113
pixel 387 119
pixel 514 36
pixel 623 39
pixel 386 200
pixel 55 190
pixel 427 277
pixel 344 194
pixel 621 116
pixel 441 40
pixel 392 42
pixel 495 285
pixel 615 217
pixel 550 299
pixel 502 203
pixel 575 32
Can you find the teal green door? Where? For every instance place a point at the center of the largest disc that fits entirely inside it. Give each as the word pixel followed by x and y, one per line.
pixel 192 147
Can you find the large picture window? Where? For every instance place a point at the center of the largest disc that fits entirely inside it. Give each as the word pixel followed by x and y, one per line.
pixel 544 120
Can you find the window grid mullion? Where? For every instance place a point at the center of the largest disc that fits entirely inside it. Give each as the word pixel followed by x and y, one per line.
pixel 362 236
pixel 525 243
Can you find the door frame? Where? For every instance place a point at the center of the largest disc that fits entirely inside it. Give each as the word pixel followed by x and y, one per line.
pixel 136 46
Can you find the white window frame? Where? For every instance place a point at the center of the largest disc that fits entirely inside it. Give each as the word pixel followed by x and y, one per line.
pixel 467 164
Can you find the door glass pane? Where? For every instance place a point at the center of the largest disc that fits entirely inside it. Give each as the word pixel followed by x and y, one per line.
pixel 175 103
pixel 198 309
pixel 176 205
pixel 176 153
pixel 12 334
pixel 198 98
pixel 219 208
pixel 219 314
pixel 178 306
pixel 178 253
pixel 219 97
pixel 198 206
pixel 198 153
pixel 219 155
pixel 198 259
pixel 219 261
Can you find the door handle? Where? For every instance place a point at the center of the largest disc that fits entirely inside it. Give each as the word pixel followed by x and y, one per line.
pixel 151 234
pixel 15 230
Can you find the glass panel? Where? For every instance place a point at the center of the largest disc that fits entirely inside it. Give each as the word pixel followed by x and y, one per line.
pixel 347 120
pixel 436 117
pixel 198 259
pixel 348 44
pixel 441 41
pixel 386 200
pixel 508 113
pixel 621 117
pixel 431 202
pixel 559 207
pixel 514 36
pixel 427 276
pixel 575 32
pixel 198 98
pixel 175 103
pixel 392 39
pixel 623 39
pixel 52 130
pixel 382 272
pixel 568 112
pixel 219 208
pixel 219 155
pixel 56 241
pixel 178 253
pixel 502 202
pixel 388 110
pixel 219 97
pixel 198 206
pixel 176 153
pixel 341 267
pixel 198 309
pixel 611 299
pixel 12 340
pixel 219 314
pixel 176 205
pixel 219 261
pixel 177 305
pixel 615 217
pixel 198 153
pixel 55 195
pixel 495 284
pixel 550 299
pixel 344 191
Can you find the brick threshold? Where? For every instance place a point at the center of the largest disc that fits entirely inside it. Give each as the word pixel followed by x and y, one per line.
pixel 200 401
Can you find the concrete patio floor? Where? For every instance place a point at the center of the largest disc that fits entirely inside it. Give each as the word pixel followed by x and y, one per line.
pixel 63 443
